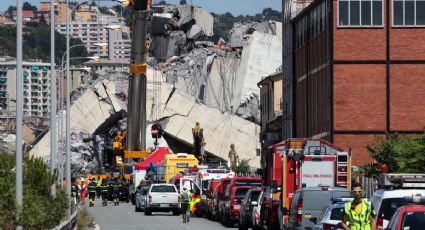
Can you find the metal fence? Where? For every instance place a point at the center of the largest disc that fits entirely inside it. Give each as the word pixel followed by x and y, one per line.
pixel 68 224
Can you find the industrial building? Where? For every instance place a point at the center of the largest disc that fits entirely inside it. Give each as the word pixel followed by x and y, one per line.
pixel 357 72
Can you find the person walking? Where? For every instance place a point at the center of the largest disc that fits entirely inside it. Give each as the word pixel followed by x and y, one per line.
pixel 83 191
pixel 92 191
pixel 185 204
pixel 104 189
pixel 358 213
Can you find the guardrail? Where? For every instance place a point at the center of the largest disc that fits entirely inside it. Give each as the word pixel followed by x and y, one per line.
pixel 68 224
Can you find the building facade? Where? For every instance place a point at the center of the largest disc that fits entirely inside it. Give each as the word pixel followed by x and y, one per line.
pixel 358 71
pixel 36 87
pixel 60 11
pixel 93 28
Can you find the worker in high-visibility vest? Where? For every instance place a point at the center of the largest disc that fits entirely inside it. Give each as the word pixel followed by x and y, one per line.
pixel 358 213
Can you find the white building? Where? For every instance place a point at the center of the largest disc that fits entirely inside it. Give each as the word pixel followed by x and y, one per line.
pixel 36 87
pixel 91 27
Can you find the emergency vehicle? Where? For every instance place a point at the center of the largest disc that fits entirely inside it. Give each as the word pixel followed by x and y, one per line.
pixel 296 163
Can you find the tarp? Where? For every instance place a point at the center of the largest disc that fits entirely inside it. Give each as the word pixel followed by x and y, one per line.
pixel 156 157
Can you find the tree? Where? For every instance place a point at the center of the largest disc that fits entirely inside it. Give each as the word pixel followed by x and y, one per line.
pixel 28 6
pixel 10 10
pixel 183 2
pixel 242 168
pixel 162 3
pixel 398 153
pixel 42 20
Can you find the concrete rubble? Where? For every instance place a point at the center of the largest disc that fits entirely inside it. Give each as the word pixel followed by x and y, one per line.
pixel 189 80
pixel 7 143
pixel 225 75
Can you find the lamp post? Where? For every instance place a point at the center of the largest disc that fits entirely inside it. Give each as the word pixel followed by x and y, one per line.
pixel 68 93
pixel 53 149
pixel 19 109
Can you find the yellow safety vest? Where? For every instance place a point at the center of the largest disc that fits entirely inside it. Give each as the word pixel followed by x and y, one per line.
pixel 359 221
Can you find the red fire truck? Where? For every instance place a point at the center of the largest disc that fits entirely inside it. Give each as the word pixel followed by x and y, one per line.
pixel 296 163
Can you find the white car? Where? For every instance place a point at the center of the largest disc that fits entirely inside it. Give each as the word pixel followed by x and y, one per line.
pixel 386 202
pixel 394 187
pixel 330 217
pixel 162 198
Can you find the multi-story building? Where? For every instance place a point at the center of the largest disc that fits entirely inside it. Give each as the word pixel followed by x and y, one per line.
pixel 357 71
pixel 94 28
pixel 271 109
pixel 60 11
pixel 2 19
pixel 36 88
pixel 27 16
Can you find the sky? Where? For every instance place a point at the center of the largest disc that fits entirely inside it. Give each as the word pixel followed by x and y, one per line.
pixel 236 7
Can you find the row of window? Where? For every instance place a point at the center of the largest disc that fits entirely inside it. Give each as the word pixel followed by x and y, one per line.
pixel 360 13
pixel 310 26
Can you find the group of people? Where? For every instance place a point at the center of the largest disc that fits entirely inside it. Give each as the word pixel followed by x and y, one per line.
pixel 105 188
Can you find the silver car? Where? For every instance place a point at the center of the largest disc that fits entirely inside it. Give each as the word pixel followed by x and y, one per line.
pixel 330 218
pixel 141 195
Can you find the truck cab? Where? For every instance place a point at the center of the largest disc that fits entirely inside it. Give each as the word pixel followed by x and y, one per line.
pixel 176 163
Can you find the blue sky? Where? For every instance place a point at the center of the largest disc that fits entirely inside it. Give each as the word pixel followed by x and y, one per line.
pixel 235 7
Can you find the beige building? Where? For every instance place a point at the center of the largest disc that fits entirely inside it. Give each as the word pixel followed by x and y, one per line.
pixel 2 19
pixel 271 108
pixel 60 11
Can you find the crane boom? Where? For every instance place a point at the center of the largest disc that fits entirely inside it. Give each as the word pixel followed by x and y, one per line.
pixel 136 120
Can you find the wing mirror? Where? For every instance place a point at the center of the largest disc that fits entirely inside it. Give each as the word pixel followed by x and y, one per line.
pixel 314 220
pixel 254 203
pixel 285 211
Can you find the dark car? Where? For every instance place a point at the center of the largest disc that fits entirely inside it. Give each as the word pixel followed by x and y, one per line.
pixel 250 201
pixel 233 204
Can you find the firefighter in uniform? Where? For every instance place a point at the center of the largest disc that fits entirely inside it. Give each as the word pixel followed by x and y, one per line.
pixel 92 191
pixel 104 192
pixel 358 213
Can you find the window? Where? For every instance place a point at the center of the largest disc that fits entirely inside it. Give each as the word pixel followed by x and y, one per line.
pixel 409 13
pixel 360 13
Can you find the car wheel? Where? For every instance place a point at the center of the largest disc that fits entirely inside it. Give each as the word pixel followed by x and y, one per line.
pixel 136 209
pixel 148 212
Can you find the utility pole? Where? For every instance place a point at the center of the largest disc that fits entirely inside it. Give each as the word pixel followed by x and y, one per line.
pixel 19 111
pixel 136 122
pixel 53 149
pixel 68 107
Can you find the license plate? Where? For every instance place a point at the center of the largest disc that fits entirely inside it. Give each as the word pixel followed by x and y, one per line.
pixel 164 205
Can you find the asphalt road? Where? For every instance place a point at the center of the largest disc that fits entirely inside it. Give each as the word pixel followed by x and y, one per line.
pixel 124 217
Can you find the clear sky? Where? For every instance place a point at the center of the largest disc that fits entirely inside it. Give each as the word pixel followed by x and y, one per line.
pixel 236 7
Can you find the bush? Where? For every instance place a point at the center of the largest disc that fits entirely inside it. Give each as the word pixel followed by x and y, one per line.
pixel 40 210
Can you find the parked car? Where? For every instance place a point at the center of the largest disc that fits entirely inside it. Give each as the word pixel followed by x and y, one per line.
pixel 410 217
pixel 309 203
pixel 232 206
pixel 141 197
pixel 330 218
pixel 250 201
pixel 162 198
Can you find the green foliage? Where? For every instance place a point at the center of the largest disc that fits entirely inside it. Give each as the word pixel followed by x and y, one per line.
pixel 40 210
pixel 183 2
pixel 242 167
pixel 223 23
pixel 401 153
pixel 36 43
pixel 28 6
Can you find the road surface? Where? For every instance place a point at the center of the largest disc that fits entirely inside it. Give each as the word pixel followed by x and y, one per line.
pixel 123 217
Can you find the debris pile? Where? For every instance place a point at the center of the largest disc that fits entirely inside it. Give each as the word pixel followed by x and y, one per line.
pixel 7 143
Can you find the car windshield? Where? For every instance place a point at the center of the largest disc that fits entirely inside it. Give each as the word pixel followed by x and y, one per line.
pixel 413 220
pixel 240 193
pixel 163 188
pixel 337 213
pixel 389 206
pixel 255 195
pixel 144 190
